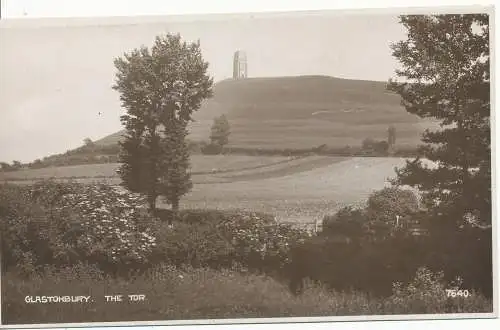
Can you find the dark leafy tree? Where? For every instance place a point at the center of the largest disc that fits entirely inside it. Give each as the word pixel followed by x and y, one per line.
pixel 16 165
pixel 391 136
pixel 445 75
pixel 160 88
pixel 220 132
pixel 5 166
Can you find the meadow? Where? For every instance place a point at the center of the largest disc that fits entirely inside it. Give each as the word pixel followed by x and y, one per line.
pixel 300 189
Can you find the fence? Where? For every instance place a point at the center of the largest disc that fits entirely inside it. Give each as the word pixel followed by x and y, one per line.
pixel 312 227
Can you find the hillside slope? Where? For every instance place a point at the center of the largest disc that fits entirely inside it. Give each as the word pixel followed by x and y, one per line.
pixel 304 111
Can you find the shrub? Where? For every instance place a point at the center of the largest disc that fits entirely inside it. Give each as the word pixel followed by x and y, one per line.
pixel 427 293
pixel 370 145
pixel 365 265
pixel 25 230
pixel 64 223
pixel 114 224
pixel 385 204
pixel 348 222
pixel 225 239
pixel 259 242
pixel 383 207
pixel 192 244
pixel 211 149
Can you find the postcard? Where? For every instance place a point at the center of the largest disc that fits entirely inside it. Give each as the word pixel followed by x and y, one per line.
pixel 247 168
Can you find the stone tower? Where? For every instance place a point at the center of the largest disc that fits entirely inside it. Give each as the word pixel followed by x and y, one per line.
pixel 239 65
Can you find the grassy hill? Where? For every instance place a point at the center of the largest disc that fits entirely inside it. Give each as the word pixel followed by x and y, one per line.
pixel 303 112
pixel 280 114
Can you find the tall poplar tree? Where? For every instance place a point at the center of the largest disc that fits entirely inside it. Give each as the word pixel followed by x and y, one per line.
pixel 160 88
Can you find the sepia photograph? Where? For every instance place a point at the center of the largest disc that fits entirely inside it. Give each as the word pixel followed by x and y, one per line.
pixel 247 168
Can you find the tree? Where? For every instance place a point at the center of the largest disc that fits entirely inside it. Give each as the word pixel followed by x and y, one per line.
pixel 176 180
pixel 371 145
pixel 88 142
pixel 37 163
pixel 160 88
pixel 445 75
pixel 5 166
pixel 16 165
pixel 391 136
pixel 220 132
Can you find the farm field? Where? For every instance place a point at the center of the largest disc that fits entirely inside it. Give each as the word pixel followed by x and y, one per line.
pixel 294 189
pixel 302 196
pixel 200 164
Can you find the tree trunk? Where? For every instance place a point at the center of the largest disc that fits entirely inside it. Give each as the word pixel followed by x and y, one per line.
pixel 175 209
pixel 152 205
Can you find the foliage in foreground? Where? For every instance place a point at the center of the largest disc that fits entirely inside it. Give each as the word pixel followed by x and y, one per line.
pixel 378 219
pixel 381 252
pixel 53 223
pixel 62 224
pixel 172 293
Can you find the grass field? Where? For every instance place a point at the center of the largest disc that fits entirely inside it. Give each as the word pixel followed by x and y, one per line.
pixel 294 189
pixel 301 196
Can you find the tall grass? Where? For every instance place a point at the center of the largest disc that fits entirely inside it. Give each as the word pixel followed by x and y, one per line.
pixel 173 294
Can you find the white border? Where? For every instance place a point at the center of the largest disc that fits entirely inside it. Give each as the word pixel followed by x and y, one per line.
pixel 253 8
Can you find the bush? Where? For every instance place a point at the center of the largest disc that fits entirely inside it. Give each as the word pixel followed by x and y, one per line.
pixel 192 244
pixel 385 205
pixel 260 243
pixel 62 224
pixel 211 149
pixel 427 293
pixel 348 222
pixel 370 145
pixel 378 219
pixel 54 223
pixel 225 239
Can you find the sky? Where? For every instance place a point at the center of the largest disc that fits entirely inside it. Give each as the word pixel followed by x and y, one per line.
pixel 55 86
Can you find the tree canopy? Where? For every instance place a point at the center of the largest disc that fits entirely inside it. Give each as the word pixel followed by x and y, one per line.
pixel 160 88
pixel 445 75
pixel 220 131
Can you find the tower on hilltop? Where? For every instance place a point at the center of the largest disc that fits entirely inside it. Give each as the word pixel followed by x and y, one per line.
pixel 239 65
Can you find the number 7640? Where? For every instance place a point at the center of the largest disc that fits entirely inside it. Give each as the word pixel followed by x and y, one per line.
pixel 457 293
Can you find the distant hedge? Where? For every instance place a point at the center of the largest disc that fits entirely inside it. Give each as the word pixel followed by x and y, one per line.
pixel 109 154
